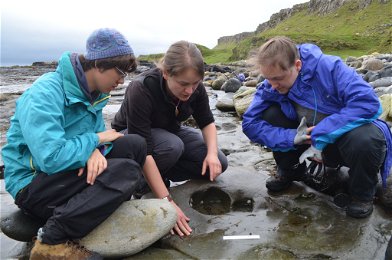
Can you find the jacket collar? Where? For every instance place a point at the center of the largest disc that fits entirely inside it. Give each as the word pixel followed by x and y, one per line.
pixel 310 55
pixel 72 89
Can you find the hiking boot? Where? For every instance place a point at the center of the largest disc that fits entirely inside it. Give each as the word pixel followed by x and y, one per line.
pixel 68 250
pixel 283 179
pixel 359 209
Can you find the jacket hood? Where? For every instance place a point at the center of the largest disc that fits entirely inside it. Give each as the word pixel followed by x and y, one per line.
pixel 70 82
pixel 72 89
pixel 310 55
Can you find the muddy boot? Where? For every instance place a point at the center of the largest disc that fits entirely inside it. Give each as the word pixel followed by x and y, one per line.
pixel 283 178
pixel 69 250
pixel 359 209
pixel 384 194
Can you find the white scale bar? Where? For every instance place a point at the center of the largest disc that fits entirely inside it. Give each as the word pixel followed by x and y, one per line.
pixel 241 237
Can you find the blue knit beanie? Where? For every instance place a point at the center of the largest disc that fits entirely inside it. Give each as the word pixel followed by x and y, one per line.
pixel 106 43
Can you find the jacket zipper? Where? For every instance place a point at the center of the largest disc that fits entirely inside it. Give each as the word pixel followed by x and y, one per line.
pixel 32 165
pixel 102 99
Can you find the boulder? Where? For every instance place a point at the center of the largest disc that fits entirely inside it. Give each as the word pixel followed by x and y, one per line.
pixel 231 85
pixel 251 83
pixel 383 90
pixel 134 226
pixel 217 84
pixel 242 99
pixel 371 76
pixel 355 64
pixel 254 73
pixel 216 68
pixel 372 64
pixel 208 83
pixel 383 82
pixel 20 226
pixel 225 103
pixel 351 59
pixel 386 102
pixel 386 71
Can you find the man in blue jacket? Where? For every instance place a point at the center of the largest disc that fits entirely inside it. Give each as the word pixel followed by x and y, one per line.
pixel 61 165
pixel 313 106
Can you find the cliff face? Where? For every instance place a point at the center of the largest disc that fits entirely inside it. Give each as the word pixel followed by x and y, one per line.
pixel 283 15
pixel 234 38
pixel 319 7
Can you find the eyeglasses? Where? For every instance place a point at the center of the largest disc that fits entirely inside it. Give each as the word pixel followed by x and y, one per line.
pixel 122 73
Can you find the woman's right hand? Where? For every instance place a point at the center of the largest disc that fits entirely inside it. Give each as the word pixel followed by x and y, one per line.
pixel 108 136
pixel 181 227
pixel 154 180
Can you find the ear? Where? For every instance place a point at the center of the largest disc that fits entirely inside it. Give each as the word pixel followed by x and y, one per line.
pixel 98 70
pixel 298 65
pixel 165 74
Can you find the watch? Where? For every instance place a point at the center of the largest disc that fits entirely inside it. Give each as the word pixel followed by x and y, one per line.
pixel 168 198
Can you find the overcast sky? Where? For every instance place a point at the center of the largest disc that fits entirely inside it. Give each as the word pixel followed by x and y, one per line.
pixel 40 30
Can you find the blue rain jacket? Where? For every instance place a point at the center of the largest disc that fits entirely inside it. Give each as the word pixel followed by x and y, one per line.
pixel 53 129
pixel 325 84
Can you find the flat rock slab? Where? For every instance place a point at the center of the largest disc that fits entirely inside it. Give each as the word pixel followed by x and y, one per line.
pixel 134 226
pixel 300 223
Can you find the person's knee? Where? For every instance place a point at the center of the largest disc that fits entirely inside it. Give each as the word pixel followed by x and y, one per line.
pixel 130 169
pixel 136 142
pixel 177 147
pixel 121 172
pixel 275 116
pixel 361 143
pixel 172 150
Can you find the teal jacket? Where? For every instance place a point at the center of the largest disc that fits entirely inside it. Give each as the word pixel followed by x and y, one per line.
pixel 53 129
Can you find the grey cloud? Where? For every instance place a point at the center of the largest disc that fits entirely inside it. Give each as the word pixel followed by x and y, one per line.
pixel 23 45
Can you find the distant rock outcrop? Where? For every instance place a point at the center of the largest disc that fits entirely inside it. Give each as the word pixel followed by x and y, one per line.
pixel 44 64
pixel 235 38
pixel 282 15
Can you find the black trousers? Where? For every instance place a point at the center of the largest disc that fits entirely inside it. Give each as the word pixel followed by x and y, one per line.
pixel 71 207
pixel 362 150
pixel 180 155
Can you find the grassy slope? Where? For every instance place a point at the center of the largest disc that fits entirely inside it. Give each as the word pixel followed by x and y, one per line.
pixel 216 55
pixel 220 53
pixel 151 57
pixel 347 32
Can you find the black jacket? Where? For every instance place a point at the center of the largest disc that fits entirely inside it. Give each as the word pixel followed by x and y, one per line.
pixel 147 105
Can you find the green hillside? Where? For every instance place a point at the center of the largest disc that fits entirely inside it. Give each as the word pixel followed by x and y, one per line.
pixel 218 54
pixel 350 31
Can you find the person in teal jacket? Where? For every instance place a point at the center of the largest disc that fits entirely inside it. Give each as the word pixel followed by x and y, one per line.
pixel 61 165
pixel 313 106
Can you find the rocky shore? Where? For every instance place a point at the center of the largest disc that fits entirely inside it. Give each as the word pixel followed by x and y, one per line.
pixel 376 69
pixel 299 224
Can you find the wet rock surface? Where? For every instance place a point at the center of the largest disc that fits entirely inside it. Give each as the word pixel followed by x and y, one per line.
pixel 135 225
pixel 298 224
